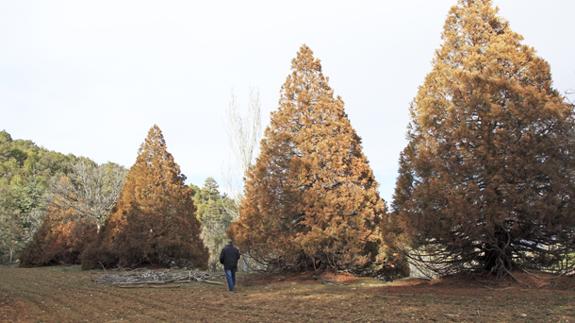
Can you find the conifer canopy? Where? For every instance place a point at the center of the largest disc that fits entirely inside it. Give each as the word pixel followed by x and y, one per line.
pixel 311 199
pixel 61 238
pixel 154 220
pixel 486 182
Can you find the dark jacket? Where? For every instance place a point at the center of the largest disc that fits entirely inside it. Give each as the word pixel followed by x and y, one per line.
pixel 229 257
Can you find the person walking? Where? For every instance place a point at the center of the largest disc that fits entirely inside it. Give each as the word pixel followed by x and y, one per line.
pixel 229 258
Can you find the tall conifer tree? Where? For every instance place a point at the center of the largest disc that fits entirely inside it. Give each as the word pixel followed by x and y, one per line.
pixel 486 182
pixel 215 212
pixel 154 221
pixel 311 199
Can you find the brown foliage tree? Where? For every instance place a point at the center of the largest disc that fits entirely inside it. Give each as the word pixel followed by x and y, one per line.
pixel 311 199
pixel 77 205
pixel 61 238
pixel 153 222
pixel 486 183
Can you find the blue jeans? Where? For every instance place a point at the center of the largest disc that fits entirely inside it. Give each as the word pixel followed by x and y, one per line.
pixel 231 278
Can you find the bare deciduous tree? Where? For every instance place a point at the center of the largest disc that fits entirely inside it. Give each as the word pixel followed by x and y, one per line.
pixel 91 189
pixel 244 131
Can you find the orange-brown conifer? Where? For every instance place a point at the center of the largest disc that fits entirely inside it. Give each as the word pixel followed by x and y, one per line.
pixel 61 238
pixel 486 183
pixel 153 222
pixel 311 199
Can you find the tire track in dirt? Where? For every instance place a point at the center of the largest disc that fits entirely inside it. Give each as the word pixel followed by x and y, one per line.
pixel 134 301
pixel 13 309
pixel 39 302
pixel 76 305
pixel 125 302
pixel 152 308
pixel 56 302
pixel 145 302
pixel 241 306
pixel 186 306
pixel 20 289
pixel 80 296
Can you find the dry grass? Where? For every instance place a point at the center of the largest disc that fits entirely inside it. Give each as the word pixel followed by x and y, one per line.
pixel 66 294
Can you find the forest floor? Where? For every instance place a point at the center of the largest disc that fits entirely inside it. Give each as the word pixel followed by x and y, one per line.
pixel 67 294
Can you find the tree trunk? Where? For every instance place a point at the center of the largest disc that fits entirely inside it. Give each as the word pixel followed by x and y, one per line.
pixel 498 256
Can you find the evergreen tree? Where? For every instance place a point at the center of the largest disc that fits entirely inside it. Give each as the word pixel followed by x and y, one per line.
pixel 78 204
pixel 215 212
pixel 26 172
pixel 61 238
pixel 210 191
pixel 153 222
pixel 486 182
pixel 311 199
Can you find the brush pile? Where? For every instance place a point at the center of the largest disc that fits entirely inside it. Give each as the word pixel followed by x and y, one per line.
pixel 150 278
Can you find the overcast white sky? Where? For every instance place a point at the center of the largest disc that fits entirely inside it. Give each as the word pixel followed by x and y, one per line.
pixel 91 77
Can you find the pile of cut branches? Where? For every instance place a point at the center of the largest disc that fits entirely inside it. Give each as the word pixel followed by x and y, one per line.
pixel 158 278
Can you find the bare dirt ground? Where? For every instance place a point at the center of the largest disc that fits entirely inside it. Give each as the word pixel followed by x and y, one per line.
pixel 66 294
